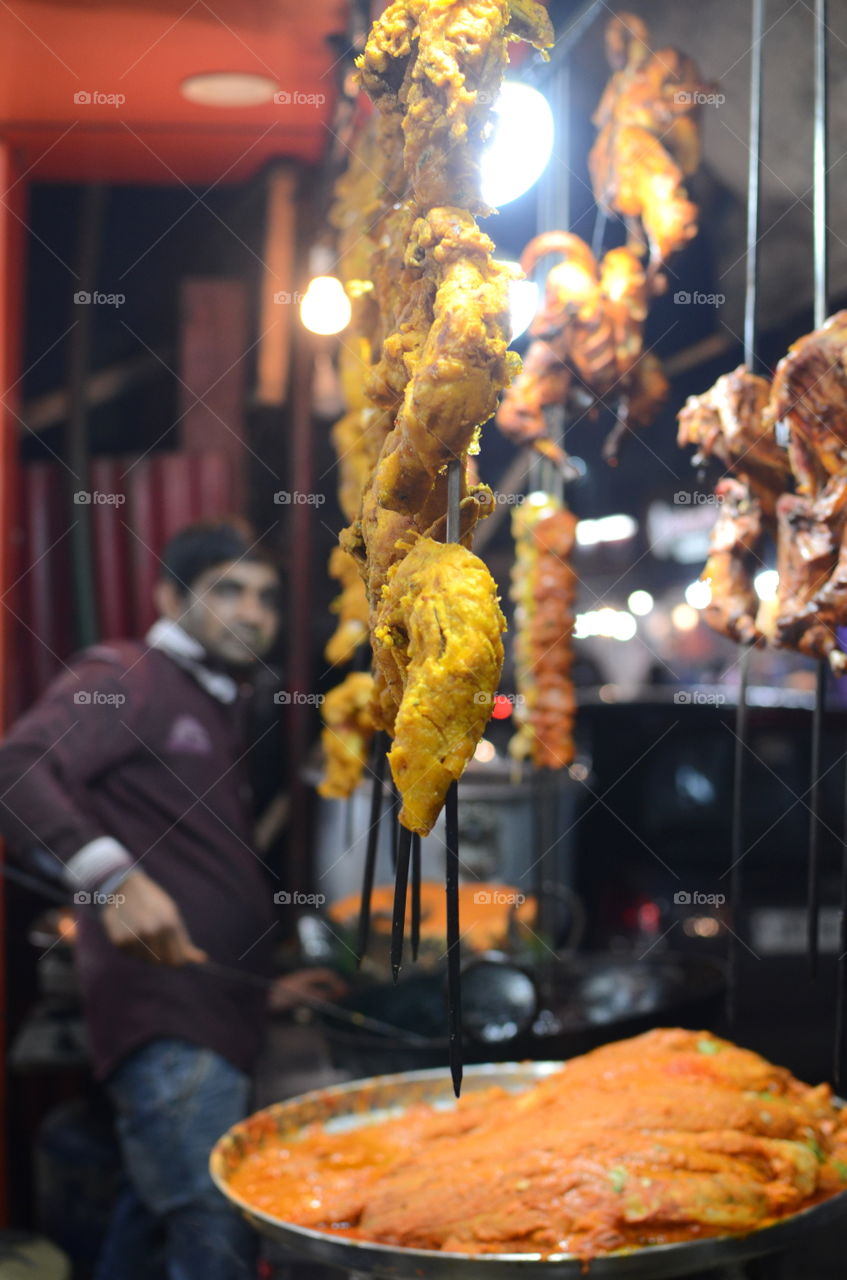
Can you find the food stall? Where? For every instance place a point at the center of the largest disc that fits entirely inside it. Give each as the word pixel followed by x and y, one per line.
pixel 514 329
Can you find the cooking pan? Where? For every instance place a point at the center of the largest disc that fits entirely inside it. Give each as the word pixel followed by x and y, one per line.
pixel 584 1001
pixel 363 1101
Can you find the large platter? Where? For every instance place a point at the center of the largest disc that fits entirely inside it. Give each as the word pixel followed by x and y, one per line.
pixel 363 1101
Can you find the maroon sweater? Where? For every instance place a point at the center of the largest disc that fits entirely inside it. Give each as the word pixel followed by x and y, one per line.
pixel 153 760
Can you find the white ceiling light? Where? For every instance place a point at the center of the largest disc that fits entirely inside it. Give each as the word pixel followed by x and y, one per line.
pixel 520 147
pixel 607 529
pixel 698 594
pixel 325 307
pixel 523 301
pixel 229 89
pixel 766 584
pixel 640 603
pixel 609 624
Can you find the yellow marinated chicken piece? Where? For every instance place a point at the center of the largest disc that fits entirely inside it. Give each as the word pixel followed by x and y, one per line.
pixel 351 606
pixel 442 62
pixel 438 656
pixel 347 736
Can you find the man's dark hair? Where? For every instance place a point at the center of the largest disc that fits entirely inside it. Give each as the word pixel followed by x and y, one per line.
pixel 200 547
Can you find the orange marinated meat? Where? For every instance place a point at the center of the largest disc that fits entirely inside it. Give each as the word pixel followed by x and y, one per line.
pixel 674 1135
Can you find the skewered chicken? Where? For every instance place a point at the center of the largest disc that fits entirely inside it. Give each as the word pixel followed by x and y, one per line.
pixel 734 422
pixel 671 1136
pixel 648 139
pixel 588 342
pixel 441 64
pixel 810 396
pixel 347 735
pixel 734 559
pixel 351 606
pixel 812 602
pixel 438 657
pixel 544 591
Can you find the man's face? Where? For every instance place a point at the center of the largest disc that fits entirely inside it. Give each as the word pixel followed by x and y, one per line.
pixel 231 609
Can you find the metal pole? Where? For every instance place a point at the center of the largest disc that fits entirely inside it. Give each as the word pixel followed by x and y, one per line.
pixel 751 296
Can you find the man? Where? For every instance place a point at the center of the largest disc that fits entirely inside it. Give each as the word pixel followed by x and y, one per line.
pixel 130 771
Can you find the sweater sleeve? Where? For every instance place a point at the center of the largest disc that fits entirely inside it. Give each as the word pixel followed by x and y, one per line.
pixel 83 726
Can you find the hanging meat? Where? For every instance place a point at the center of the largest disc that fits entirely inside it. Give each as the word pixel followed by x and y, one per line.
pixel 736 422
pixel 438 651
pixel 347 734
pixel 351 605
pixel 433 71
pixel 587 346
pixel 544 592
pixel 648 140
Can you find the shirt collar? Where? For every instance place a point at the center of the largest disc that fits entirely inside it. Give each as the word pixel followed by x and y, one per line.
pixel 170 638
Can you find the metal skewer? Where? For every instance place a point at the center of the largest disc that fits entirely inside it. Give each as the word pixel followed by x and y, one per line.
pixel 401 883
pixel 819 208
pixel 451 821
pixel 751 297
pixel 416 894
pixel 380 748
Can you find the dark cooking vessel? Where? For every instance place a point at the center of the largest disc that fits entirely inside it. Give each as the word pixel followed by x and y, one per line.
pixel 585 1001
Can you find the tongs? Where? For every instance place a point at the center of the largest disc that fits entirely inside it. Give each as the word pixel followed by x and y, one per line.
pixel 360 1020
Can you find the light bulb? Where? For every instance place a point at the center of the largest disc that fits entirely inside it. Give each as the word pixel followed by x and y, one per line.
pixel 640 603
pixel 325 307
pixel 523 301
pixel 520 147
pixel 698 594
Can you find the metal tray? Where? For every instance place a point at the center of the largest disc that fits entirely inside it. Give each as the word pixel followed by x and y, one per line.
pixel 362 1101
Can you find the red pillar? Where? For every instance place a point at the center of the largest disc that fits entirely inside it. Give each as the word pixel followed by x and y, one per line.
pixel 12 243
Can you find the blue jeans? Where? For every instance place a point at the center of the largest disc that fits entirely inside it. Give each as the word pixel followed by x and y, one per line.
pixel 173 1100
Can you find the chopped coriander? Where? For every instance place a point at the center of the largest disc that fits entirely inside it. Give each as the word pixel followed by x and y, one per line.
pixel 618 1177
pixel 708 1046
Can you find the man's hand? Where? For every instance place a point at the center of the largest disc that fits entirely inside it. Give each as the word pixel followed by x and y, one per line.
pixel 148 924
pixel 320 984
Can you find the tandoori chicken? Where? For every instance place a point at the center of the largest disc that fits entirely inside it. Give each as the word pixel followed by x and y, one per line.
pixel 437 656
